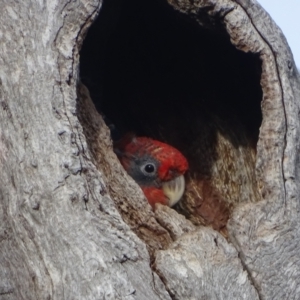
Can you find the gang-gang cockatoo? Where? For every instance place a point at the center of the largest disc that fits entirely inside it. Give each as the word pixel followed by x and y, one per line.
pixel 158 168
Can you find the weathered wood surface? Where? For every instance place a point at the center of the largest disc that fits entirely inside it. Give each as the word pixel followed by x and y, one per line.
pixel 267 233
pixel 62 209
pixel 61 235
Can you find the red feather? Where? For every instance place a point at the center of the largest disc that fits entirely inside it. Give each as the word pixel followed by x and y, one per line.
pixel 171 162
pixel 155 195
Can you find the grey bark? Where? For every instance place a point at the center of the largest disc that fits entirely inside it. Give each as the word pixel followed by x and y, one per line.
pixel 75 226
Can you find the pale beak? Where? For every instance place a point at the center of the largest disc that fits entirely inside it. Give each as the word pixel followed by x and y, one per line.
pixel 174 189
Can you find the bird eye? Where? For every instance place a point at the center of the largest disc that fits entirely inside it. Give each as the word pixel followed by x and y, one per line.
pixel 149 168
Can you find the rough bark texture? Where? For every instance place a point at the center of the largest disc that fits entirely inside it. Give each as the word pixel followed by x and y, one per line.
pixel 75 226
pixel 61 235
pixel 267 233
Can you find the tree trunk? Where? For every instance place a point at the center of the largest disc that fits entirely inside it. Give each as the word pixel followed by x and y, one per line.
pixel 76 226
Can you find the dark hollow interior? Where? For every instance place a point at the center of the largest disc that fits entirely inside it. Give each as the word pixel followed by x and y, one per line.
pixel 154 71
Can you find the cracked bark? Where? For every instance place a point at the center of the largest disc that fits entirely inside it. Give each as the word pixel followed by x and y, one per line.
pixel 75 226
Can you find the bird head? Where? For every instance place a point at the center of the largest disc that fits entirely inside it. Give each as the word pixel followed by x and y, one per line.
pixel 157 167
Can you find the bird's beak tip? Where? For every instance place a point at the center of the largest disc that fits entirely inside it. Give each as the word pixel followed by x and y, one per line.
pixel 174 189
